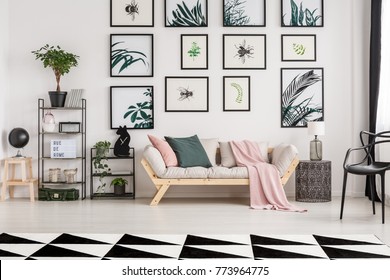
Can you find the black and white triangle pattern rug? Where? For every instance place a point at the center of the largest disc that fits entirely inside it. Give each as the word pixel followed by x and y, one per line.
pixel 67 246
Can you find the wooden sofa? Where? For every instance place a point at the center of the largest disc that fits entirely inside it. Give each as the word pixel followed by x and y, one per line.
pixel 162 184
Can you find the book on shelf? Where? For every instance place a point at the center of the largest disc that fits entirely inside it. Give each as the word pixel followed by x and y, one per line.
pixel 73 98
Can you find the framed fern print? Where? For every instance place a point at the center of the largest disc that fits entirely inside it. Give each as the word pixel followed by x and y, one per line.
pixel 236 93
pixel 186 13
pixel 132 13
pixel 194 51
pixel 247 51
pixel 299 48
pixel 131 55
pixel 186 94
pixel 131 106
pixel 302 96
pixel 302 13
pixel 244 13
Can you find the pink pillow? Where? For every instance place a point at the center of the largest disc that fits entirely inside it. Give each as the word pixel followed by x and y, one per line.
pixel 165 150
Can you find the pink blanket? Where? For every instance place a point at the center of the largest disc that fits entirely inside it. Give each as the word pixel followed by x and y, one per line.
pixel 266 190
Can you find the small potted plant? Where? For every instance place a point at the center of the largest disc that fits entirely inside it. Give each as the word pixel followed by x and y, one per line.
pixel 100 163
pixel 102 148
pixel 119 185
pixel 60 62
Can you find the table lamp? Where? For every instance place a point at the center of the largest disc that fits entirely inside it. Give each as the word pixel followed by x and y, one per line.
pixel 316 128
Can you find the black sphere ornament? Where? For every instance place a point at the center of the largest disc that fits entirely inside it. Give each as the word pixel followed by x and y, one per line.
pixel 18 138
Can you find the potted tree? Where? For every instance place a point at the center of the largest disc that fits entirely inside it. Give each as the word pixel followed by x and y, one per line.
pixel 100 163
pixel 60 62
pixel 119 185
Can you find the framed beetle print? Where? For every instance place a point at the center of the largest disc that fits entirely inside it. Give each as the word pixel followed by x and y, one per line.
pixel 132 13
pixel 186 94
pixel 247 51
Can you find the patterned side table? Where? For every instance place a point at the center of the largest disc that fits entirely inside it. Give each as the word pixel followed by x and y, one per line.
pixel 313 181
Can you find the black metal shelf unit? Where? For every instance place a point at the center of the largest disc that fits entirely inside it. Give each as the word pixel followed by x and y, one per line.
pixel 129 174
pixel 43 138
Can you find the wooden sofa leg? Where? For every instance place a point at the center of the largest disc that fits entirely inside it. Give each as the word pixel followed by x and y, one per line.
pixel 161 190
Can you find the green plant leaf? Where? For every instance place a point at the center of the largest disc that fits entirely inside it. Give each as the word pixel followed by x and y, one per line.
pixel 294 13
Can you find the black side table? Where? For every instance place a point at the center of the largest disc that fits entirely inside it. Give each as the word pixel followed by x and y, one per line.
pixel 313 181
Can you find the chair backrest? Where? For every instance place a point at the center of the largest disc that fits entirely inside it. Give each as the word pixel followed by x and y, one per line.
pixel 373 140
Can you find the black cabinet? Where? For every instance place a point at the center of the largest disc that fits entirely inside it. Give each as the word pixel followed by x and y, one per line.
pixel 63 160
pixel 123 167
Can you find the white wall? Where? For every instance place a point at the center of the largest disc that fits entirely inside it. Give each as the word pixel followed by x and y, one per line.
pixel 4 28
pixel 83 27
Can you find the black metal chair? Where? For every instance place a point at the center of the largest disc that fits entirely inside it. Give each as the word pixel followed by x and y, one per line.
pixel 368 166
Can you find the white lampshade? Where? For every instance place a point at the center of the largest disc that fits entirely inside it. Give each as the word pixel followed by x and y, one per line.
pixel 316 128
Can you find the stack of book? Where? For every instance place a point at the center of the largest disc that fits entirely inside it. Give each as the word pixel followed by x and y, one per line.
pixel 73 98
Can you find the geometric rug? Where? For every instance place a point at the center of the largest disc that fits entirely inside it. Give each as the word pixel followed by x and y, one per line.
pixel 71 246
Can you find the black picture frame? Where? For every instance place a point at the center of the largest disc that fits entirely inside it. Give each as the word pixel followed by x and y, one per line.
pixel 132 106
pixel 179 17
pixel 299 47
pixel 194 59
pixel 244 51
pixel 236 93
pixel 131 55
pixel 186 94
pixel 132 13
pixel 247 14
pixel 302 96
pixel 307 15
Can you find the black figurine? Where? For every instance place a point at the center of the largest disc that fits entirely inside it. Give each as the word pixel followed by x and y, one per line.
pixel 121 147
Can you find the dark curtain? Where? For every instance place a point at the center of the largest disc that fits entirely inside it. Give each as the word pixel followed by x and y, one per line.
pixel 375 63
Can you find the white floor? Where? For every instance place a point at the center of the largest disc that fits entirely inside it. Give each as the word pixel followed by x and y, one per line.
pixel 194 216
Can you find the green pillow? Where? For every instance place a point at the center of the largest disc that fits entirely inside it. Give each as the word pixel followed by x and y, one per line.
pixel 189 151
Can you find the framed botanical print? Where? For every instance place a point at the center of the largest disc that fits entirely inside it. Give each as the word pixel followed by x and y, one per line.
pixel 132 13
pixel 236 93
pixel 194 51
pixel 247 13
pixel 131 55
pixel 299 48
pixel 131 106
pixel 302 96
pixel 186 13
pixel 186 94
pixel 246 51
pixel 302 13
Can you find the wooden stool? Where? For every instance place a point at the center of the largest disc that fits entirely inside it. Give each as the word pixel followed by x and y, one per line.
pixel 26 173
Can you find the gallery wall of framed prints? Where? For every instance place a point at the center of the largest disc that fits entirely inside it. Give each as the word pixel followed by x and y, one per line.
pixel 243 49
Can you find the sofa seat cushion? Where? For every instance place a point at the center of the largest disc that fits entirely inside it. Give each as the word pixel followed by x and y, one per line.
pixel 196 172
pixel 220 172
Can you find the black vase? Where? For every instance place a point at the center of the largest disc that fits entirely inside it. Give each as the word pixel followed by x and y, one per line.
pixel 57 98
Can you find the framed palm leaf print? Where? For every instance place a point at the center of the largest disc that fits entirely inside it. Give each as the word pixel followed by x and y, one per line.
pixel 244 13
pixel 131 55
pixel 302 96
pixel 131 106
pixel 186 13
pixel 302 13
